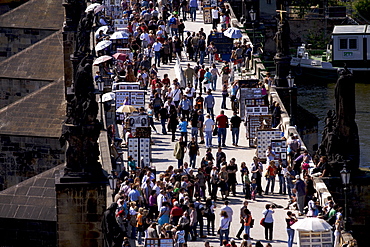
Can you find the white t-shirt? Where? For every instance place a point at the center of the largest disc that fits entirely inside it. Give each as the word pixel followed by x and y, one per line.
pixel 190 92
pixel 176 94
pixel 208 124
pixel 214 13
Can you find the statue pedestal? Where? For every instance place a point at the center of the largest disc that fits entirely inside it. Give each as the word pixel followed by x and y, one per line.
pixel 80 208
pixel 282 70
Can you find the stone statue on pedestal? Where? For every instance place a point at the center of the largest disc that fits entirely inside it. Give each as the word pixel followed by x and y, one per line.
pixel 282 36
pixel 340 140
pixel 82 129
pixel 83 34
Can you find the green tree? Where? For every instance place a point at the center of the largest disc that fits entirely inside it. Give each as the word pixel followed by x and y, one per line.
pixel 363 8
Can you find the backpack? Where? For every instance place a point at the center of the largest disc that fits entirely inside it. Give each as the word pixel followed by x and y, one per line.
pixel 226 70
pixel 172 21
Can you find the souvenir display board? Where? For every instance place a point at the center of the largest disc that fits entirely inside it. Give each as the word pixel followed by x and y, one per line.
pixel 207 15
pixel 279 147
pixel 315 239
pixel 137 121
pixel 264 138
pixel 136 99
pixel 125 86
pixel 140 148
pixel 156 242
pixel 113 8
pixel 223 44
pixel 256 110
pixel 256 122
pixel 249 95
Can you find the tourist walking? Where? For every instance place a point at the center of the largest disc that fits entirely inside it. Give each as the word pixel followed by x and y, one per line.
pixel 222 123
pixel 256 170
pixel 193 152
pixel 269 221
pixel 235 121
pixel 209 103
pixel 300 191
pixel 290 220
pixel 224 226
pixel 208 129
pixel 179 152
pixel 270 177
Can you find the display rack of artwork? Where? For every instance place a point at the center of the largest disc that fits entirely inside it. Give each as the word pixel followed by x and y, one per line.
pixel 159 242
pixel 250 97
pixel 136 98
pixel 125 86
pixel 314 239
pixel 264 138
pixel 256 122
pixel 140 149
pixel 279 146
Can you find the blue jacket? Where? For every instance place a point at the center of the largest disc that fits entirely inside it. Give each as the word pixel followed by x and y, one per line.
pixel 193 4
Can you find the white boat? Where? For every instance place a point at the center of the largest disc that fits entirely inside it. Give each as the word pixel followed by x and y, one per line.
pixel 350 47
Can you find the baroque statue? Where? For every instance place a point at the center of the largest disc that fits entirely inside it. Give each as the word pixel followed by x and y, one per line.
pixel 340 140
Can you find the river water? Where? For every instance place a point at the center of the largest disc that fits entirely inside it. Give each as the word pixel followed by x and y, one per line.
pixel 318 98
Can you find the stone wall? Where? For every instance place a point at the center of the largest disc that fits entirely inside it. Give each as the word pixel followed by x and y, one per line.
pixel 12 89
pixel 27 233
pixel 23 157
pixel 14 40
pixel 80 208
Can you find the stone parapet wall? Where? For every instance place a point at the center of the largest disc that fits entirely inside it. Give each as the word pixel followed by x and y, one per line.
pixel 22 157
pixel 13 89
pixel 14 40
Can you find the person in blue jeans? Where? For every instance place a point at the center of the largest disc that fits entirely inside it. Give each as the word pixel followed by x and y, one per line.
pixel 193 4
pixel 235 122
pixel 290 220
pixel 224 227
pixel 270 177
pixel 222 122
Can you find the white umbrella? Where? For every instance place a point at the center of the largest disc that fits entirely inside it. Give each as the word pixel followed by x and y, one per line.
pixel 98 8
pixel 233 33
pixel 102 28
pixel 102 59
pixel 91 7
pixel 102 44
pixel 119 35
pixel 108 97
pixel 126 109
pixel 311 224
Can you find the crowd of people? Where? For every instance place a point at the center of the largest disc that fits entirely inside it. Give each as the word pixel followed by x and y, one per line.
pixel 180 203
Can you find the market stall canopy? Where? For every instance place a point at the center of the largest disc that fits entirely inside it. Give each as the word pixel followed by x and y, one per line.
pixel 120 56
pixel 312 224
pixel 108 97
pixel 102 59
pixel 233 33
pixel 126 109
pixel 102 28
pixel 102 44
pixel 119 35
pixel 91 7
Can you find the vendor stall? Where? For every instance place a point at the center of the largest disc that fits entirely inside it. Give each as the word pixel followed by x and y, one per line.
pixel 313 232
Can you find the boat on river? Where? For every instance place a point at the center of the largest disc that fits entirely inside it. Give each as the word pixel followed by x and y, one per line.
pixel 350 47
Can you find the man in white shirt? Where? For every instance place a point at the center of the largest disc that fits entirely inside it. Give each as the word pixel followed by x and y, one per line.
pixel 228 210
pixel 176 95
pixel 208 129
pixel 161 199
pixel 145 40
pixel 157 46
pixel 215 17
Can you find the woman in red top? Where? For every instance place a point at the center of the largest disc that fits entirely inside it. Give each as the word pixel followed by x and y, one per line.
pixel 270 176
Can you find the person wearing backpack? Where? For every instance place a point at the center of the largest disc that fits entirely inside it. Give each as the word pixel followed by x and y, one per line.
pixel 225 71
pixel 174 25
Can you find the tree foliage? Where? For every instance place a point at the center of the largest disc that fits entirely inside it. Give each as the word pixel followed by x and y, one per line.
pixel 363 8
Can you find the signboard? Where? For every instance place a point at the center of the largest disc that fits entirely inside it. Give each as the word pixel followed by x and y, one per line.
pixel 156 242
pixel 256 122
pixel 136 98
pixel 280 148
pixel 223 44
pixel 207 15
pixel 246 97
pixel 125 86
pixel 264 138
